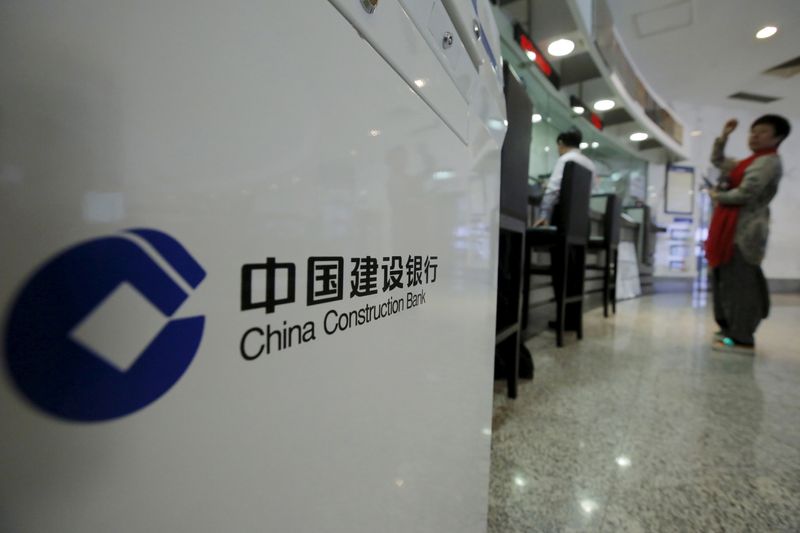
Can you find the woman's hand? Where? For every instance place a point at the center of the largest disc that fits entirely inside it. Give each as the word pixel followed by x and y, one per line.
pixel 729 127
pixel 713 193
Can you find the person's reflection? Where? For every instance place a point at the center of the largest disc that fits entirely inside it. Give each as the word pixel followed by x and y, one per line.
pixel 411 202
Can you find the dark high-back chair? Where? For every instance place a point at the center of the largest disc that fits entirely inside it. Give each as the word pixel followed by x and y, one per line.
pixel 567 242
pixel 609 244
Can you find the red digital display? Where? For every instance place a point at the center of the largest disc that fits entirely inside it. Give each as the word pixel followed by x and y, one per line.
pixel 535 55
pixel 596 121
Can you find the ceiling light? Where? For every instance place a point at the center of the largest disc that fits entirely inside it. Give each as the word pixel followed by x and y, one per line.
pixel 604 105
pixel 696 133
pixel 766 32
pixel 531 55
pixel 638 136
pixel 546 148
pixel 536 117
pixel 561 47
pixel 374 133
pixel 420 83
pixel 595 144
pixel 584 146
pixel 578 109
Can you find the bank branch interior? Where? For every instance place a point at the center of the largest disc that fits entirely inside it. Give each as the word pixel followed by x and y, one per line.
pixel 429 266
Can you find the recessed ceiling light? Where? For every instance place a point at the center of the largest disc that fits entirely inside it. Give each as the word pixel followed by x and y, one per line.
pixel 536 117
pixel 420 83
pixel 578 109
pixel 584 146
pixel 595 144
pixel 604 105
pixel 766 32
pixel 374 133
pixel 696 133
pixel 531 55
pixel 561 47
pixel 546 148
pixel 638 136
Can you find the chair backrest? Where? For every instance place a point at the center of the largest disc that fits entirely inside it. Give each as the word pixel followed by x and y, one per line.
pixel 516 151
pixel 573 212
pixel 611 223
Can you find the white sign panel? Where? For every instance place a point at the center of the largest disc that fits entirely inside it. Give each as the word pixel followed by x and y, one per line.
pixel 679 194
pixel 248 277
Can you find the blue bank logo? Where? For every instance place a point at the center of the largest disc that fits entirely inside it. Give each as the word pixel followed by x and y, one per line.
pixel 75 380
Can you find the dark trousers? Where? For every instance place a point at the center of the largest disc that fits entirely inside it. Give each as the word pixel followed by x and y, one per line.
pixel 741 298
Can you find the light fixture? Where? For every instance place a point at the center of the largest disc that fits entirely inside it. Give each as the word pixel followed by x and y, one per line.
pixel 595 144
pixel 520 481
pixel 766 32
pixel 505 122
pixel 420 83
pixel 638 136
pixel 577 105
pixel 561 47
pixel 531 55
pixel 696 133
pixel 546 148
pixel 584 146
pixel 374 133
pixel 604 105
pixel 623 461
pixel 536 117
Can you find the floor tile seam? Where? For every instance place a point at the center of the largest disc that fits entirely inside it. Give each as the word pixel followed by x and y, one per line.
pixel 611 495
pixel 615 478
pixel 696 476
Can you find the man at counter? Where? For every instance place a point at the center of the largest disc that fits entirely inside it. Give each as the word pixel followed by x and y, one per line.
pixel 568 150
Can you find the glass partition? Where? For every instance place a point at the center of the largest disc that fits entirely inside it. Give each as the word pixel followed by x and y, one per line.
pixel 618 170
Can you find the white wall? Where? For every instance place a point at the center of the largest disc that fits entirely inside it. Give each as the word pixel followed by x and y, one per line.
pixel 783 253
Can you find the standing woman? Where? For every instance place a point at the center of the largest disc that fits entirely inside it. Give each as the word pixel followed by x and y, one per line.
pixel 737 237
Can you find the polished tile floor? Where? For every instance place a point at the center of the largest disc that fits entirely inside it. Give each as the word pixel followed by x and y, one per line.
pixel 640 427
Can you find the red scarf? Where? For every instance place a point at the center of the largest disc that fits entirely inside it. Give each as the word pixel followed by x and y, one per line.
pixel 721 233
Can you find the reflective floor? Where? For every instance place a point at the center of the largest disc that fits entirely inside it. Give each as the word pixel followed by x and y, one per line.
pixel 640 427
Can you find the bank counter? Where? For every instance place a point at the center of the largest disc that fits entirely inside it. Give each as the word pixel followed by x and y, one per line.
pixel 635 230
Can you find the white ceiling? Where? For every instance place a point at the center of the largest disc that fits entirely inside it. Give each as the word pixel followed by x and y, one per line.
pixel 701 51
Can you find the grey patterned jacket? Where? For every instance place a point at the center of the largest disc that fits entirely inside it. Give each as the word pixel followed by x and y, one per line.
pixel 758 188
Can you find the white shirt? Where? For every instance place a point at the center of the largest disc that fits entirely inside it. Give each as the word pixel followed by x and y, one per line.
pixel 553 189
